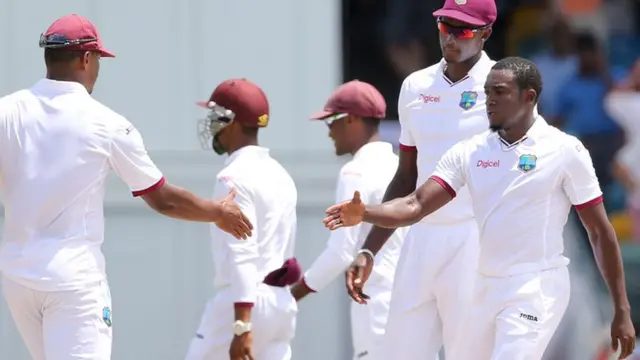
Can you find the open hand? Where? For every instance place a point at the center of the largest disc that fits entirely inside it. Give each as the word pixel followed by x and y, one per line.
pixel 232 220
pixel 622 330
pixel 357 275
pixel 346 213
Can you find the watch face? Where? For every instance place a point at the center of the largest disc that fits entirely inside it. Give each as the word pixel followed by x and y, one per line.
pixel 240 327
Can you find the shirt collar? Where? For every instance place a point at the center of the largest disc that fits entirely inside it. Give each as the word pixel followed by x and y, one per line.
pixel 247 150
pixel 372 148
pixel 58 87
pixel 478 72
pixel 536 130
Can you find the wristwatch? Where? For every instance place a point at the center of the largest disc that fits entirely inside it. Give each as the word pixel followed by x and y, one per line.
pixel 240 327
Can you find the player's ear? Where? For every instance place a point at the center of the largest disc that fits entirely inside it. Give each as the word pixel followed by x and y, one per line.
pixel 486 33
pixel 531 95
pixel 86 58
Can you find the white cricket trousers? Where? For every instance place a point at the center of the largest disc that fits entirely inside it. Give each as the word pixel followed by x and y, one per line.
pixel 62 325
pixel 273 318
pixel 432 293
pixel 368 321
pixel 515 317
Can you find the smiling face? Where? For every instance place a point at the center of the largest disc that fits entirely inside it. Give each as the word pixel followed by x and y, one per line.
pixel 506 101
pixel 460 41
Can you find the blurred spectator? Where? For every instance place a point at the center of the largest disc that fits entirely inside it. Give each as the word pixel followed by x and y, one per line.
pixel 580 108
pixel 623 105
pixel 364 50
pixel 585 15
pixel 408 27
pixel 557 64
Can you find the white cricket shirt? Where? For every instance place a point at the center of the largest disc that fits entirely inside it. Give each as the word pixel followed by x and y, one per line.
pixel 57 146
pixel 435 114
pixel 522 194
pixel 267 195
pixel 370 172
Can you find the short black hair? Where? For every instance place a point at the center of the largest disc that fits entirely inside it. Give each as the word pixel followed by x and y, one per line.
pixel 373 122
pixel 526 73
pixel 586 41
pixel 60 56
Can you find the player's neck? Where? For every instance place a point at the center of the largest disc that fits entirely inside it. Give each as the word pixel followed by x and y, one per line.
pixel 366 140
pixel 456 71
pixel 518 130
pixel 245 143
pixel 63 76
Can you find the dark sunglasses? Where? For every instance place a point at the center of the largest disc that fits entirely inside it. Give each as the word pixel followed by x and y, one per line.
pixel 56 41
pixel 458 32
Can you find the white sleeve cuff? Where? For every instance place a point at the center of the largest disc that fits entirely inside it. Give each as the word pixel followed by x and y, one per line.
pixel 325 269
pixel 244 282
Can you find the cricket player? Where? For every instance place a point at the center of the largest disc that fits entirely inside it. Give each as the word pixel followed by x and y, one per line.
pixel 353 113
pixel 57 146
pixel 523 176
pixel 253 314
pixel 438 107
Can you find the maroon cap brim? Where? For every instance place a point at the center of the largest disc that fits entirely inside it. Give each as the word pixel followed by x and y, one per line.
pixel 460 16
pixel 204 104
pixel 321 115
pixel 107 53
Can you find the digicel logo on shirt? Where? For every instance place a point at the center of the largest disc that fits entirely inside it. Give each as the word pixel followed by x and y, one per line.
pixel 429 99
pixel 488 164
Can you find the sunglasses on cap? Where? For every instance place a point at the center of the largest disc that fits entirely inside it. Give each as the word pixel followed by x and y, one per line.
pixel 56 41
pixel 458 32
pixel 331 119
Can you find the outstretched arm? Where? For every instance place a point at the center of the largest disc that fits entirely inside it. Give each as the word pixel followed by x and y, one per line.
pixel 435 193
pixel 408 210
pixel 129 159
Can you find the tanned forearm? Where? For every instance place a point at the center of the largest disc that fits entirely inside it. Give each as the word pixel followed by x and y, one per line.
pixel 607 253
pixel 395 213
pixel 410 209
pixel 400 186
pixel 242 312
pixel 178 203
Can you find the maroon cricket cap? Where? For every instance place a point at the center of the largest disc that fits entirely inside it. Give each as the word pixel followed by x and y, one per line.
pixel 472 12
pixel 74 27
pixel 355 98
pixel 245 99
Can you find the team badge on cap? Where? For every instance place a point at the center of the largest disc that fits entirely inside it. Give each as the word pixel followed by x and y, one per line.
pixel 263 120
pixel 468 99
pixel 527 163
pixel 106 316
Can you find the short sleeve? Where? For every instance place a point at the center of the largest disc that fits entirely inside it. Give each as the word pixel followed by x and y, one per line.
pixel 449 172
pixel 130 160
pixel 407 143
pixel 580 183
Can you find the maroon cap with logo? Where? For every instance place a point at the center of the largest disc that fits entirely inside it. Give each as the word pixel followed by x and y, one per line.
pixel 244 99
pixel 472 12
pixel 69 31
pixel 355 98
